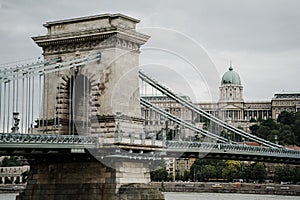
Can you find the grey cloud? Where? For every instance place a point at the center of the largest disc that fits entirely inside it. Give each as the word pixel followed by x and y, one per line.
pixel 252 33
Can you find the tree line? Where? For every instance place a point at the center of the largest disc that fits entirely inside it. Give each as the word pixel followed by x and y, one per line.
pixel 284 131
pixel 209 170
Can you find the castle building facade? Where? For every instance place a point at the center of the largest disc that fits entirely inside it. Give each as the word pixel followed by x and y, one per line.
pixel 231 106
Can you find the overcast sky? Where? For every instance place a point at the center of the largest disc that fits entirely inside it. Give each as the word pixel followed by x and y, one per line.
pixel 262 38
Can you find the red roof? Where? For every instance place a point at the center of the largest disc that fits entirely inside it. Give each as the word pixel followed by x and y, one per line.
pixel 294 147
pixel 252 144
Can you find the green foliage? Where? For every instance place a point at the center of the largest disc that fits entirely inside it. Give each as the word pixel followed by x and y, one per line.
pixel 159 175
pixel 296 177
pixel 158 170
pixel 254 129
pixel 209 171
pixel 10 161
pixel 263 131
pixel 283 173
pixel 204 169
pixel 269 123
pixel 286 118
pixel 259 172
pixel 231 170
pixel 245 172
pixel 286 131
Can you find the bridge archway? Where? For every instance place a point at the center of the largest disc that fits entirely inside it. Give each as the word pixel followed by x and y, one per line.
pixel 77 103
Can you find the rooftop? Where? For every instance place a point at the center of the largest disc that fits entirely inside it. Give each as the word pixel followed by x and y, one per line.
pixel 93 17
pixel 231 77
pixel 288 92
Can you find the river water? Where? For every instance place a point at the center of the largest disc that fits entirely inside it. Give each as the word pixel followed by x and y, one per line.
pixel 202 196
pixel 225 196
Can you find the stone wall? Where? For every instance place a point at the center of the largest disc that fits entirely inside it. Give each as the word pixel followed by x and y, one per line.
pixel 81 177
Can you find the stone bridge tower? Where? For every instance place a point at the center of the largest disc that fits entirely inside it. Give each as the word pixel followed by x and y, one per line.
pixel 90 99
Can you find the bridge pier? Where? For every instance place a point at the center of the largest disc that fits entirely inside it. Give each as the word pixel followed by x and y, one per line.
pixel 84 177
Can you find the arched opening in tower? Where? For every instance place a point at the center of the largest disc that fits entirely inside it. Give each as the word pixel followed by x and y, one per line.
pixel 79 104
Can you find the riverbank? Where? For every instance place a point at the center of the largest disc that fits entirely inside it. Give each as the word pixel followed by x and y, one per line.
pixel 204 187
pixel 241 188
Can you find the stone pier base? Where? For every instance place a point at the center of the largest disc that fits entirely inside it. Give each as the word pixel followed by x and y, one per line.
pixel 82 177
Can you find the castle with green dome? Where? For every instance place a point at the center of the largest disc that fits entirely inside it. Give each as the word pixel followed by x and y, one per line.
pixel 232 108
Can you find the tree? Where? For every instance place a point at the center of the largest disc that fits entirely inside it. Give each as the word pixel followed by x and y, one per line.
pixel 178 177
pixel 202 169
pixel 287 137
pixel 245 172
pixel 263 131
pixel 10 161
pixel 286 118
pixel 269 122
pixel 209 171
pixel 158 170
pixel 274 134
pixel 278 174
pixel 297 127
pixel 231 170
pixel 286 131
pixel 159 175
pixel 296 178
pixel 283 173
pixel 254 128
pixel 259 172
pixel 186 175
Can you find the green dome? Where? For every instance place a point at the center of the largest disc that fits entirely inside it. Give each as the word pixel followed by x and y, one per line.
pixel 231 77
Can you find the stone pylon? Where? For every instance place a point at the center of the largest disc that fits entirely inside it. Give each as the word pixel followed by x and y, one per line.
pixel 91 99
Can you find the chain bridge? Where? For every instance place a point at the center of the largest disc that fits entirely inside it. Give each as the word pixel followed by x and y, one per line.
pixel 80 104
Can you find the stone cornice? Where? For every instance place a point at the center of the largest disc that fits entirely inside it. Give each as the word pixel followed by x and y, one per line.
pixel 91 35
pixel 92 39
